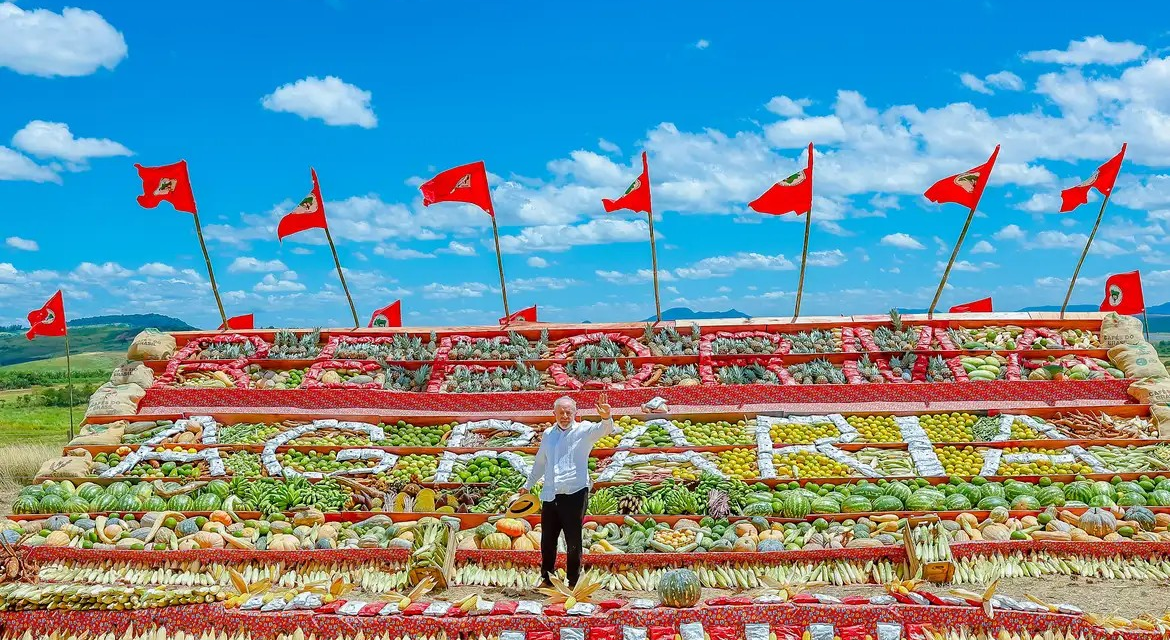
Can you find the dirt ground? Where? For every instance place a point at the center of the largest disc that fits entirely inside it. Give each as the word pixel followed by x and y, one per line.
pixel 1121 597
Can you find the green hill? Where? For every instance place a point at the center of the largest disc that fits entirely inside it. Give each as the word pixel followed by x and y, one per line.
pixel 100 334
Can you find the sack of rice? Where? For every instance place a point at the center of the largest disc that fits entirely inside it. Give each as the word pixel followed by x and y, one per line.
pixel 66 467
pixel 151 344
pixel 1138 360
pixel 1161 415
pixel 1152 391
pixel 1118 329
pixel 111 400
pixel 133 372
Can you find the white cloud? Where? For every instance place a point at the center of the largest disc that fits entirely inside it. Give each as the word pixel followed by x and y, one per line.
pixel 964 265
pixel 638 277
pixel 286 283
pixel 1091 50
pixel 940 245
pixel 22 243
pixel 302 251
pixel 17 166
pixel 395 252
pixel 1042 202
pixel 562 237
pixel 902 241
pixel 248 264
pixel 439 291
pixel 983 246
pixel 90 272
pixel 702 44
pixel 974 83
pixel 1005 80
pixel 332 100
pixel 74 42
pixel 458 249
pixel 54 140
pixel 541 284
pixel 156 269
pixel 1061 240
pixel 787 107
pixel 833 258
pixel 537 262
pixel 722 266
pixel 1010 232
pixel 607 146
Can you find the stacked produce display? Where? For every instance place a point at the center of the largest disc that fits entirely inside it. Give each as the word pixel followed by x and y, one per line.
pixel 366 480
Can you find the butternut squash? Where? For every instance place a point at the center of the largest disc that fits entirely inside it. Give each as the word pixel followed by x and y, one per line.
pixel 1051 535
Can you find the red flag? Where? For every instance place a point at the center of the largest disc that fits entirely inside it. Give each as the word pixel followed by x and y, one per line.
pixel 1102 180
pixel 636 197
pixel 963 188
pixel 978 306
pixel 791 195
pixel 309 214
pixel 527 315
pixel 1123 294
pixel 465 183
pixel 49 320
pixel 241 322
pixel 168 183
pixel 388 316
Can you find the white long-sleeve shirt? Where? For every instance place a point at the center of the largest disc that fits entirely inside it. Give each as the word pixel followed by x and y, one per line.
pixel 562 461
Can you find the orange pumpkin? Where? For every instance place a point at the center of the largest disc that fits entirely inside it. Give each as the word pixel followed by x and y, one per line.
pixel 221 517
pixel 511 527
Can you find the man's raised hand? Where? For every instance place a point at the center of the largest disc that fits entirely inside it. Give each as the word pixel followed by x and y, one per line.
pixel 603 408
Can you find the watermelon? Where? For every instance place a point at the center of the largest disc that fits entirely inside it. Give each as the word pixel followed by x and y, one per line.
pixel 991 502
pixel 89 491
pixel 866 490
pixel 856 504
pixel 1130 487
pixel 887 504
pixel 33 490
pixel 1025 502
pixel 825 505
pixel 1013 490
pixel 104 502
pixel 181 502
pixel 76 504
pixel 1100 500
pixel 897 490
pixel 1079 491
pixel 128 502
pixel 26 504
pixel 796 506
pixel 1128 499
pixel 1103 488
pixel 118 488
pixel 924 502
pixel 957 502
pixel 1050 496
pixel 52 503
pixel 1141 515
pixel 211 502
pixel 219 488
pixel 1163 484
pixel 1158 498
pixel 971 491
pixel 992 490
pixel 154 503
pixel 753 509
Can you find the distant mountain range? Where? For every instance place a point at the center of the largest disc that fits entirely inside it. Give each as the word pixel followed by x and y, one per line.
pixel 683 313
pixel 96 334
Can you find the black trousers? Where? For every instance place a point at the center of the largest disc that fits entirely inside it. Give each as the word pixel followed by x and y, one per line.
pixel 565 513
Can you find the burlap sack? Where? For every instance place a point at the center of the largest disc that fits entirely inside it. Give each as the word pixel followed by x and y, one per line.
pixel 133 373
pixel 106 437
pixel 66 467
pixel 111 400
pixel 151 345
pixel 1151 391
pixel 1138 360
pixel 91 428
pixel 1161 415
pixel 1117 329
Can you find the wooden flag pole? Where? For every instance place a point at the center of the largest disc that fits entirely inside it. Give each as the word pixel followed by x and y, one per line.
pixel 69 381
pixel 210 271
pixel 947 271
pixel 1084 254
pixel 340 274
pixel 1146 323
pixel 500 264
pixel 803 261
pixel 654 267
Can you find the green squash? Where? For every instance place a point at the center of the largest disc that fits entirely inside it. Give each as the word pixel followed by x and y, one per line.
pixel 679 588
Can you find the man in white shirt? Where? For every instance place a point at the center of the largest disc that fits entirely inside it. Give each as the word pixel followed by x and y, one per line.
pixel 562 464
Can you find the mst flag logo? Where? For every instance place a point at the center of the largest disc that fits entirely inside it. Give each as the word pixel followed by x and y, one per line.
pixel 464 183
pixel 1091 180
pixel 634 186
pixel 793 180
pixel 165 186
pixel 967 181
pixel 308 205
pixel 1114 295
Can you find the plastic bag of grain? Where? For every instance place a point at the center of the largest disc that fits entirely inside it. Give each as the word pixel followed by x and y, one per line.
pixel 66 467
pixel 151 344
pixel 1151 391
pixel 1138 360
pixel 133 373
pixel 1118 329
pixel 115 400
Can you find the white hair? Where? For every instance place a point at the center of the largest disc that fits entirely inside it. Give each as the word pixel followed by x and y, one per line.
pixel 566 400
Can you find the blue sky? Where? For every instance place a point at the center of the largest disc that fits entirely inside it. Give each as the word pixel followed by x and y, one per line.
pixel 559 100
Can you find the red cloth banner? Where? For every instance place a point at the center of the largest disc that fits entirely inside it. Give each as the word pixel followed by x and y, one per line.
pixel 527 315
pixel 388 316
pixel 637 195
pixel 465 183
pixel 246 321
pixel 49 320
pixel 1123 294
pixel 309 214
pixel 168 183
pixel 1102 180
pixel 963 188
pixel 791 195
pixel 977 306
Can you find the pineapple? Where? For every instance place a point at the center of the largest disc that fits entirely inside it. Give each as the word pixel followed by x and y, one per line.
pixel 818 371
pixel 869 370
pixel 903 366
pixel 938 371
pixel 750 374
pixel 743 346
